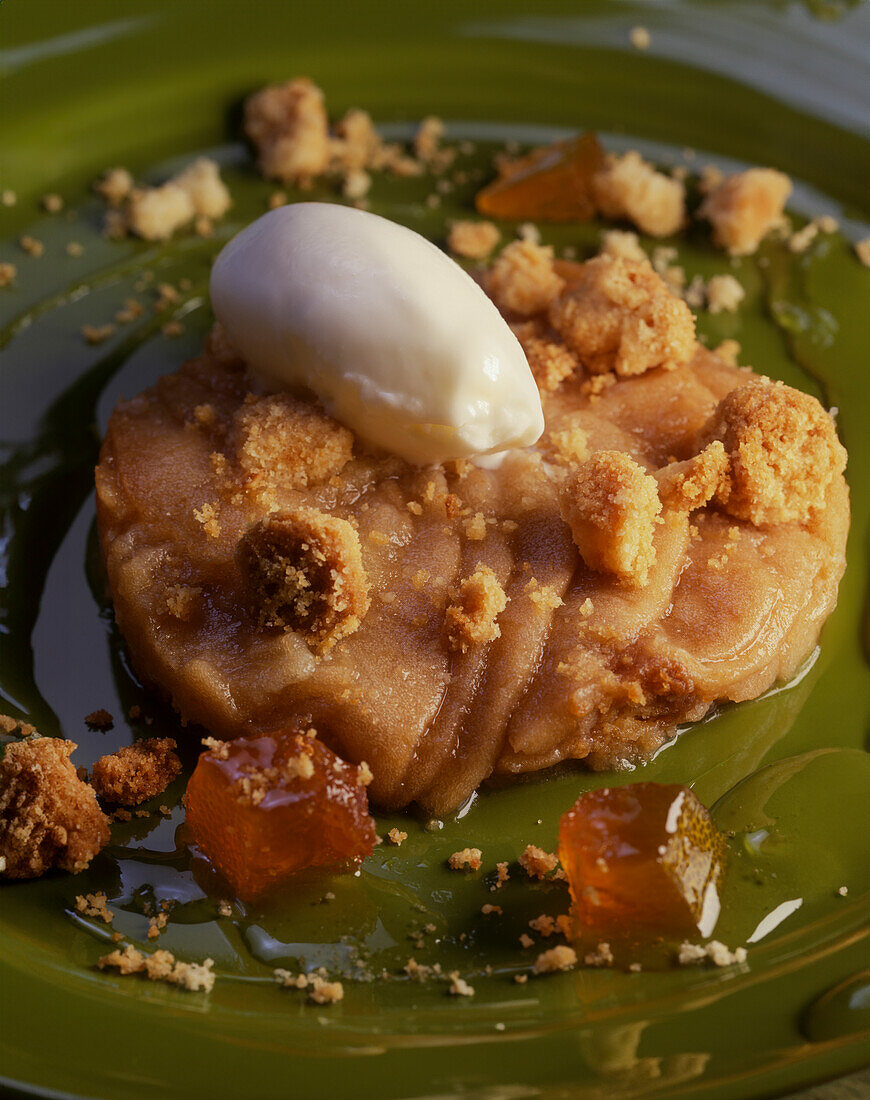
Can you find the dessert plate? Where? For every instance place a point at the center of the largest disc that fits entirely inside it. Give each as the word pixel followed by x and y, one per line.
pixel 148 85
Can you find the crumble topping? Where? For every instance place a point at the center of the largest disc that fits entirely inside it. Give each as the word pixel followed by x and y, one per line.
pixel 570 446
pixel 622 244
pixel 114 186
pixel 537 863
pixel 287 125
pixel 629 187
pixel 136 772
pixel 557 958
pixel 522 280
pixel 155 213
pixel 783 451
pixel 474 240
pixel 320 991
pixel 470 858
pixel 48 816
pixel 305 573
pixel 620 316
pixel 161 966
pixel 550 362
pixel 724 294
pixel 744 208
pixel 280 440
pixel 714 951
pixel 396 837
pixel 95 905
pixel 685 486
pixel 459 987
pixel 471 620
pixel 611 506
pixel 8 274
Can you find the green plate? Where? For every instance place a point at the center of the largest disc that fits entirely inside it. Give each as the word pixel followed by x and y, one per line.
pixel 149 82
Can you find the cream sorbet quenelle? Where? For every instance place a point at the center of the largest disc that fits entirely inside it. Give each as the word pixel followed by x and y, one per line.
pixel 393 337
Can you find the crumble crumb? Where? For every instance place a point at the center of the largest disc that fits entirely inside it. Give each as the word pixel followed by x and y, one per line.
pixel 570 446
pixel 543 595
pixel 743 208
pixel 74 249
pixel 224 909
pixel 475 527
pixel 114 186
pixel 862 251
pixel 557 958
pixel 48 816
pixel 466 859
pixel 490 910
pixel 471 620
pixel 623 244
pixel 52 203
pixel 396 837
pixel 207 516
pixel 842 891
pixel 10 725
pixel 364 774
pixel 473 240
pixel 458 986
pixel 155 213
pixel 305 573
pixel 611 506
pixel 536 862
pixel 783 451
pixel 685 486
pixel 97 334
pixel 544 925
pixel 601 956
pixel 8 197
pixel 502 875
pixel 95 905
pixel 522 280
pixel 183 601
pixel 728 351
pixel 156 925
pixel 136 772
pixel 100 720
pixel 32 246
pixel 640 38
pixel 716 952
pixel 8 274
pixel 320 991
pixel 550 362
pixel 620 316
pixel 629 187
pixel 288 127
pixel 161 966
pixel 724 294
pixel 521 979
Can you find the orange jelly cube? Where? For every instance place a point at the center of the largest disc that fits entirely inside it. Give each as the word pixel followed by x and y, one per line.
pixel 642 858
pixel 550 184
pixel 263 807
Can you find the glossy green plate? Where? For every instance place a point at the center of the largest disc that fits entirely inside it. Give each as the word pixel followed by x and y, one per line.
pixel 149 82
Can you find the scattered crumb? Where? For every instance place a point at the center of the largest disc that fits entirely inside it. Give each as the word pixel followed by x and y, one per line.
pixel 724 294
pixel 458 986
pixel 716 952
pixel 640 38
pixel 536 862
pixel 843 891
pixel 491 910
pixel 685 486
pixel 396 836
pixel 52 203
pixel 623 244
pixel 48 817
pixel 156 925
pixel 601 956
pixel 862 251
pixel 466 859
pixel 502 875
pixel 544 925
pixel 114 186
pixel 8 197
pixel 471 620
pixel 557 958
pixel 474 240
pixel 74 249
pixel 521 979
pixel 94 905
pixel 526 941
pixel 629 187
pixel 320 991
pixel 551 362
pixel 528 231
pixel 136 772
pixel 288 126
pixel 172 328
pixel 8 274
pixel 161 966
pixel 100 720
pixel 32 246
pixel 522 280
pixel 743 208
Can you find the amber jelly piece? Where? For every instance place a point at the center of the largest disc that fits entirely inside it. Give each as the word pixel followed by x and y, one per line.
pixel 262 808
pixel 642 858
pixel 550 184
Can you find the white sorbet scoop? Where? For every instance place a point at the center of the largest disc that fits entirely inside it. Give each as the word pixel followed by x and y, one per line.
pixel 393 337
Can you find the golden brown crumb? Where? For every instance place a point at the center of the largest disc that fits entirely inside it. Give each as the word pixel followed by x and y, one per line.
pixel 862 251
pixel 358 144
pixel 9 725
pixel 320 991
pixel 8 197
pixel 172 328
pixel 97 334
pixel 183 601
pixel 783 452
pixel 724 294
pixel 522 280
pixel 99 720
pixel 543 595
pixel 8 273
pixel 526 941
pixel 205 188
pixel 489 910
pixel 52 203
pixel 459 987
pixel 743 208
pixel 161 966
pixel 629 187
pixel 536 862
pixel 305 573
pixel 620 316
pixel 475 527
pixel 114 186
pixel 570 446
pixel 557 958
pixel 155 213
pixel 550 362
pixel 357 183
pixel 207 516
pixel 48 817
pixel 685 486
pixel 288 127
pixel 95 905
pixel 74 249
pixel 502 875
pixel 364 774
pixel 611 506
pixel 32 246
pixel 623 244
pixel 544 925
pixel 156 925
pixel 136 772
pixel 728 351
pixel 716 952
pixel 474 240
pixel 471 620
pixel 280 440
pixel 466 858
pixel 640 38
pixel 396 836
